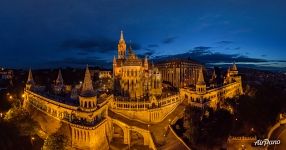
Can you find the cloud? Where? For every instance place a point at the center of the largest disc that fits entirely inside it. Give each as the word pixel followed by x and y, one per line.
pixel 224 42
pixel 263 55
pixel 147 52
pixel 153 45
pixel 204 54
pixel 72 61
pixel 135 46
pixel 169 40
pixel 100 45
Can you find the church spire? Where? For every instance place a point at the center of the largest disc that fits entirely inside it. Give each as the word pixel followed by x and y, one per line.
pixel 146 63
pixel 121 36
pixel 60 80
pixel 30 77
pixel 201 80
pixel 214 75
pixel 114 60
pixel 121 47
pixel 87 88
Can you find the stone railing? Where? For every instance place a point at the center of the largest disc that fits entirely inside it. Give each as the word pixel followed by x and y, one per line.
pixel 198 105
pixel 280 122
pixel 144 105
pixel 50 101
pixel 186 146
pixel 241 138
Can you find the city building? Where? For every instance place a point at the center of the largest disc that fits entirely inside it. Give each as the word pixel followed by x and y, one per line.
pixel 6 74
pixel 179 72
pixel 139 110
pixel 210 94
pixel 92 120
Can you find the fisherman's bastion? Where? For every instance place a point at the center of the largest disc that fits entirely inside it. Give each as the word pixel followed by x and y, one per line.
pixel 138 111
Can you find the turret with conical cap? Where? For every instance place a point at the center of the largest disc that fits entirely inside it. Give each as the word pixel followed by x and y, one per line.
pixel 87 97
pixel 59 80
pixel 234 68
pixel 201 85
pixel 201 80
pixel 30 80
pixel 87 88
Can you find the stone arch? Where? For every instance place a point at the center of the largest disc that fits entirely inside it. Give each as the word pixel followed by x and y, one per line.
pixel 137 139
pixel 118 134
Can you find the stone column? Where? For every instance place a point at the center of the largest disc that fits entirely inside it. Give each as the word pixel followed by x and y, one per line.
pixel 127 139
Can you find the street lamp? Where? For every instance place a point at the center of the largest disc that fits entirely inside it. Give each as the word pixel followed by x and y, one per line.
pixel 32 140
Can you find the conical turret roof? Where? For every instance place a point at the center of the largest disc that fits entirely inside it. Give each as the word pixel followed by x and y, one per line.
pixel 60 80
pixel 201 80
pixel 87 88
pixel 30 79
pixel 234 68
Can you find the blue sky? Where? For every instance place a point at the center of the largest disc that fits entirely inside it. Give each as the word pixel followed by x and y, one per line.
pixel 53 33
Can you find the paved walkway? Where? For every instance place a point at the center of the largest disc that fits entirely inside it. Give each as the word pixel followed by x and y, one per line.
pixel 163 138
pixel 279 134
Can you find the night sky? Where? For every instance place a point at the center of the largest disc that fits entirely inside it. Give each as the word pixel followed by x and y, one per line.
pixel 58 33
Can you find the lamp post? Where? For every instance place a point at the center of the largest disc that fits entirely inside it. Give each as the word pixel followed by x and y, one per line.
pixel 32 140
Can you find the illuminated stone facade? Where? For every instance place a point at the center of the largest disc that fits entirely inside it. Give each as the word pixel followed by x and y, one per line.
pixel 202 95
pixel 138 95
pixel 133 77
pixel 140 106
pixel 138 88
pixel 179 73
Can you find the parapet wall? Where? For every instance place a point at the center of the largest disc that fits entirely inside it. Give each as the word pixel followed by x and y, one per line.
pixel 152 116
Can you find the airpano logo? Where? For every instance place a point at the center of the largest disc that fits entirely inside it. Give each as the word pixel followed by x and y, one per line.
pixel 266 142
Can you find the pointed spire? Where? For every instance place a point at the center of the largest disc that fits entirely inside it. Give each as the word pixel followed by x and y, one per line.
pixel 60 80
pixel 146 60
pixel 234 68
pixel 121 36
pixel 130 49
pixel 201 80
pixel 146 65
pixel 114 60
pixel 214 75
pixel 30 77
pixel 87 88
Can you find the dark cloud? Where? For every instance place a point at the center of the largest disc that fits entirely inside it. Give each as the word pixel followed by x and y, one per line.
pixel 169 40
pixel 224 42
pixel 237 48
pixel 153 45
pixel 100 45
pixel 205 55
pixel 135 46
pixel 72 61
pixel 147 52
pixel 263 55
pixel 82 53
pixel 203 48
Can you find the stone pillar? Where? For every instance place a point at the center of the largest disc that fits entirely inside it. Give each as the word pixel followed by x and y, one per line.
pixel 127 139
pixel 146 138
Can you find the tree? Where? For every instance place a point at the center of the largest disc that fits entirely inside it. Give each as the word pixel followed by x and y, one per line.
pixel 22 120
pixel 56 141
